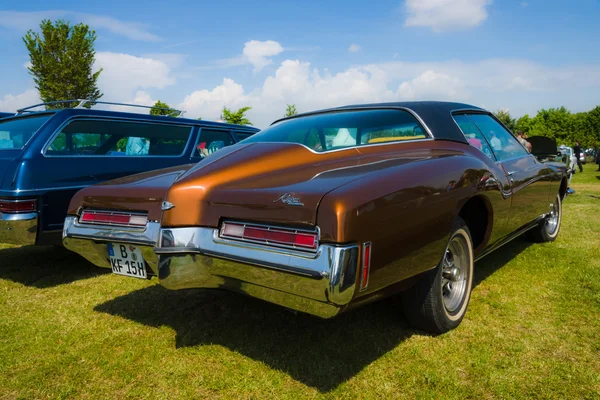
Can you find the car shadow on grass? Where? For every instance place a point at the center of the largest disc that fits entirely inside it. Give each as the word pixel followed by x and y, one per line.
pixel 44 267
pixel 317 352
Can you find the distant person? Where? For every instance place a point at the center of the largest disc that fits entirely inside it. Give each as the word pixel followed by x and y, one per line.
pixel 495 142
pixel 523 140
pixel 577 151
pixel 137 146
pixel 473 141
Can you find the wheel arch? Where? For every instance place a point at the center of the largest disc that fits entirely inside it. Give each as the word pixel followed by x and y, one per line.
pixel 478 215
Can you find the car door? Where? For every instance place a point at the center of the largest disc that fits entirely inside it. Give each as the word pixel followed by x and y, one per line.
pixel 86 151
pixel 529 178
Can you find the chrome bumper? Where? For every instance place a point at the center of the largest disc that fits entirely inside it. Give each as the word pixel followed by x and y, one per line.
pixel 20 229
pixel 321 283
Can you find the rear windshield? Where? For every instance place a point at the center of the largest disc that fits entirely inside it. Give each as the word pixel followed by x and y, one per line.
pixel 15 133
pixel 338 130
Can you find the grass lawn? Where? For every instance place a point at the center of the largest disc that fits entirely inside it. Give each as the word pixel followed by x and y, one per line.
pixel 71 330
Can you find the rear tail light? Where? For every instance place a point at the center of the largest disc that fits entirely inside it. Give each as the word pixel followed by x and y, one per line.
pixel 17 206
pixel 280 237
pixel 366 266
pixel 113 218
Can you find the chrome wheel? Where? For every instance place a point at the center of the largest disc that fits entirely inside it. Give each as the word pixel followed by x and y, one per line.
pixel 455 274
pixel 552 219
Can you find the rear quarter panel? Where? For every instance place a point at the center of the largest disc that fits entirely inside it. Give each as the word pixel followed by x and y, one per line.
pixel 407 211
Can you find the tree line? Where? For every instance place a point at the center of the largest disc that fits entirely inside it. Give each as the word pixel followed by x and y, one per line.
pixel 558 123
pixel 62 57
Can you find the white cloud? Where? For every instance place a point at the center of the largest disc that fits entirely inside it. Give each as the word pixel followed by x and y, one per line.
pixel 13 103
pixel 209 103
pixel 519 84
pixel 354 48
pixel 432 85
pixel 446 15
pixel 23 21
pixel 258 53
pixel 123 74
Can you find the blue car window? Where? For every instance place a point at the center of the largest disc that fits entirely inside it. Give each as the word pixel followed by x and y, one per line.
pixel 96 137
pixel 211 141
pixel 16 132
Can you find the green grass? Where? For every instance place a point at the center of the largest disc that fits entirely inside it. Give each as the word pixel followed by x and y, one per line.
pixel 70 330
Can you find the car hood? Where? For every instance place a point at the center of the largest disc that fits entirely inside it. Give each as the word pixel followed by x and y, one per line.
pixel 269 182
pixel 142 192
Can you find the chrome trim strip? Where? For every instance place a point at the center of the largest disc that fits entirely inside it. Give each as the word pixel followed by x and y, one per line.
pixel 58 130
pixel 28 216
pixel 143 236
pixel 358 147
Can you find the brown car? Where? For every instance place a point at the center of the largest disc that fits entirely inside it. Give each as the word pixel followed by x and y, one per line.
pixel 329 210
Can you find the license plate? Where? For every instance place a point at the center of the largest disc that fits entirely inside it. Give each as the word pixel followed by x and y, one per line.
pixel 126 259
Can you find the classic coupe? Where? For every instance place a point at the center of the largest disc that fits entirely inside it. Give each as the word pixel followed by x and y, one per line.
pixel 326 211
pixel 47 156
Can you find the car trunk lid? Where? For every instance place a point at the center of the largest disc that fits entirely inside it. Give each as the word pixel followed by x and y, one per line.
pixel 278 183
pixel 143 193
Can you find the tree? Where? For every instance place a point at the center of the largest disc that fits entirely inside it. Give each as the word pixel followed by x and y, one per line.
pixel 290 110
pixel 159 109
pixel 523 124
pixel 504 116
pixel 238 117
pixel 62 58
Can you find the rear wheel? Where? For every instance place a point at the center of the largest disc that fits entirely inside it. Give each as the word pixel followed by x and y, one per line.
pixel 438 302
pixel 548 228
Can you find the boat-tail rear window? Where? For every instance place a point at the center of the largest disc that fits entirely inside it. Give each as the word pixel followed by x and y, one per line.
pixel 96 137
pixel 338 130
pixel 16 132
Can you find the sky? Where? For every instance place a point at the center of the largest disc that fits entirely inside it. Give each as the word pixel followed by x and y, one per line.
pixel 199 56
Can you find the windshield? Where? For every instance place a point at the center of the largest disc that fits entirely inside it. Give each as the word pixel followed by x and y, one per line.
pixel 15 133
pixel 338 130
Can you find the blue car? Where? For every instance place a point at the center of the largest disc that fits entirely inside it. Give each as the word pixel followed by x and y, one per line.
pixel 5 114
pixel 47 156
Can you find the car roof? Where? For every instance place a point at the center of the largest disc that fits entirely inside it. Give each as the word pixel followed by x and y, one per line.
pixel 156 118
pixel 436 115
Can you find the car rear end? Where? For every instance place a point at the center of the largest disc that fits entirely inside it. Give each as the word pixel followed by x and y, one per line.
pixel 19 210
pixel 246 219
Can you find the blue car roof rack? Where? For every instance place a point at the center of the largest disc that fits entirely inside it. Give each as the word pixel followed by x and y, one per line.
pixel 81 103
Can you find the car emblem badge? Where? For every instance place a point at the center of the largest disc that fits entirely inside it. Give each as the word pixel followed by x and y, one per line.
pixel 166 206
pixel 289 199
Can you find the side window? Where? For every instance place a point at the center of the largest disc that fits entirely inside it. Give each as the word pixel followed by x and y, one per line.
pixel 473 134
pixel 242 135
pixel 94 137
pixel 211 141
pixel 504 145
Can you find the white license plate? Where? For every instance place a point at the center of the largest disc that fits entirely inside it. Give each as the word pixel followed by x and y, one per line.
pixel 126 259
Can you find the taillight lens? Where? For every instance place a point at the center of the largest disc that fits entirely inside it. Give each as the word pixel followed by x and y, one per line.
pixel 366 266
pixel 293 238
pixel 17 206
pixel 113 218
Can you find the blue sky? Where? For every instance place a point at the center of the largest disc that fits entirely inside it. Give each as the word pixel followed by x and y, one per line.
pixel 201 56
